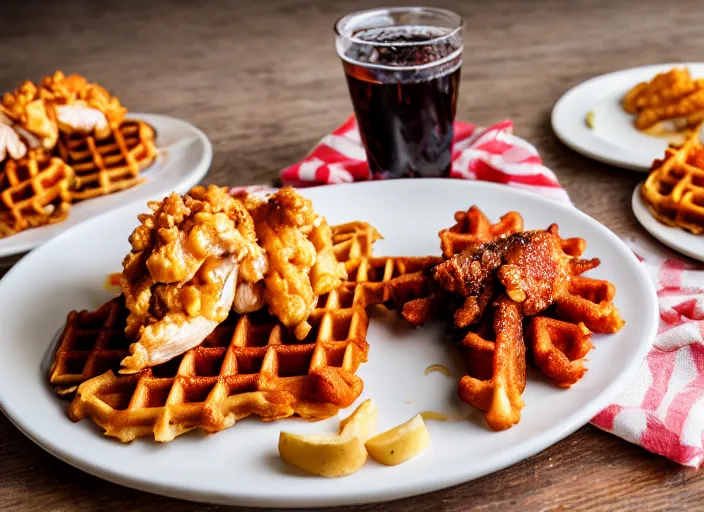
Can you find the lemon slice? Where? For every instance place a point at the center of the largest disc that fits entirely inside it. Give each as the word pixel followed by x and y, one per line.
pixel 332 455
pixel 400 443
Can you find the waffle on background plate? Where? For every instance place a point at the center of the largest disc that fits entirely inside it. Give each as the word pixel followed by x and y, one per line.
pixel 674 189
pixel 107 165
pixel 250 365
pixel 34 190
pixel 57 159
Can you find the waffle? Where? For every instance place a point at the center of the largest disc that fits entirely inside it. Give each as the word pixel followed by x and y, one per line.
pixel 473 227
pixel 558 334
pixel 108 165
pixel 352 241
pixel 495 360
pixel 33 191
pixel 403 283
pixel 250 365
pixel 674 189
pixel 559 348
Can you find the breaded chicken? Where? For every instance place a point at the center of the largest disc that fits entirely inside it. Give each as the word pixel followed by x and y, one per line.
pixel 302 266
pixel 180 278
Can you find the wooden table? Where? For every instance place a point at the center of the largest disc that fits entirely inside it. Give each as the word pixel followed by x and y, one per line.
pixel 263 81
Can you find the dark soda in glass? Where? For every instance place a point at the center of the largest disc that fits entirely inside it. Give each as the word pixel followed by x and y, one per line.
pixel 404 80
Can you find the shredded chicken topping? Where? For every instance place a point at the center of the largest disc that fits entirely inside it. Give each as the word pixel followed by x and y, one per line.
pixel 302 265
pixel 182 272
pixel 28 112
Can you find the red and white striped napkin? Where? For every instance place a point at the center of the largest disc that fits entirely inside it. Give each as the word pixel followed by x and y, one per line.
pixel 662 410
pixel 489 154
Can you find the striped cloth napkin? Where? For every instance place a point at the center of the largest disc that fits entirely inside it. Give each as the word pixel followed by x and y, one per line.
pixel 489 154
pixel 662 410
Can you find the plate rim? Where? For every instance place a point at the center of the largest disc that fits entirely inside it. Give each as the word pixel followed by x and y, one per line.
pixel 192 178
pixel 660 231
pixel 544 439
pixel 593 147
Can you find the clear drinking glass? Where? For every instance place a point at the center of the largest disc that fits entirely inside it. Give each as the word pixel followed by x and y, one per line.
pixel 403 72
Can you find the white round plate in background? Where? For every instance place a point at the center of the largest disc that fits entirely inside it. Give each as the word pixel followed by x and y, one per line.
pixel 240 465
pixel 614 139
pixel 184 154
pixel 676 238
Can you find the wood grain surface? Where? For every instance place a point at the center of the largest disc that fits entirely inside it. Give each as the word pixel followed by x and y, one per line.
pixel 262 79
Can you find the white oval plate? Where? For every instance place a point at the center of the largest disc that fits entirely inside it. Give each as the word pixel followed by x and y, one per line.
pixel 240 466
pixel 614 139
pixel 184 157
pixel 676 238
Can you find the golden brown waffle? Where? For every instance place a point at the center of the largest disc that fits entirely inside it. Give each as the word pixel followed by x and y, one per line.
pixel 400 282
pixel 392 281
pixel 108 165
pixel 250 364
pixel 492 338
pixel 674 189
pixel 473 227
pixel 495 360
pixel 559 348
pixel 33 191
pixel 353 240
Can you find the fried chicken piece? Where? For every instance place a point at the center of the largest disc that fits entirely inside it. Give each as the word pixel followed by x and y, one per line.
pixel 531 266
pixel 684 107
pixel 672 97
pixel 536 269
pixel 664 89
pixel 302 266
pixel 179 280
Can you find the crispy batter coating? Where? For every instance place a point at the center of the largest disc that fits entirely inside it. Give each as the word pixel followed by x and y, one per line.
pixel 530 265
pixel 180 277
pixel 663 89
pixel 672 95
pixel 302 265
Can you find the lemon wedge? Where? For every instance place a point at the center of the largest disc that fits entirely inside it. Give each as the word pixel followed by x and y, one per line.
pixel 332 455
pixel 329 456
pixel 362 422
pixel 400 443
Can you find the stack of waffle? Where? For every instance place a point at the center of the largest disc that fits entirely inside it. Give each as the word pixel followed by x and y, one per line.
pixel 62 142
pixel 250 365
